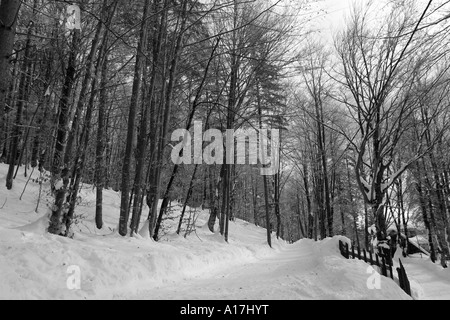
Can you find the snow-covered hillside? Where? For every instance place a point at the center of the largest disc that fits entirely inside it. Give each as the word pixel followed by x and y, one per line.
pixel 103 265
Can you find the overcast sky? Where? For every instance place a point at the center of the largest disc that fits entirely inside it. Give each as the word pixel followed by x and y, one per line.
pixel 332 18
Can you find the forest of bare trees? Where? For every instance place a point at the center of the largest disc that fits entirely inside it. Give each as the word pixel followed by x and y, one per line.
pixel 91 92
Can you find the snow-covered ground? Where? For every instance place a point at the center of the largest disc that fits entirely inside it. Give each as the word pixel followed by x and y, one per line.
pixel 428 281
pixel 103 265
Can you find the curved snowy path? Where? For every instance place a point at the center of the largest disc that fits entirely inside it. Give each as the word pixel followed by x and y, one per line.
pixel 301 271
pixel 272 277
pixel 428 281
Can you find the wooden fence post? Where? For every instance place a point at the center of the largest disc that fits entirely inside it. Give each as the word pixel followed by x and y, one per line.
pixel 403 278
pixel 389 257
pixel 383 268
pixel 390 270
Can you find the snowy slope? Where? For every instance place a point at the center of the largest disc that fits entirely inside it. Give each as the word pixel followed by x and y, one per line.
pixel 36 265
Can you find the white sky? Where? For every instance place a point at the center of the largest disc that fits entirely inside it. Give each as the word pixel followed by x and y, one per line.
pixel 331 17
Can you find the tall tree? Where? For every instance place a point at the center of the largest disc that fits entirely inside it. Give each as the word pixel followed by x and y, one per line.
pixel 9 10
pixel 135 98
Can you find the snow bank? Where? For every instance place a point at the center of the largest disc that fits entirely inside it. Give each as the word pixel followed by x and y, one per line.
pixel 339 278
pixel 37 265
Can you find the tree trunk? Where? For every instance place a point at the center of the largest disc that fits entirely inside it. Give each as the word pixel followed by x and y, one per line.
pixel 277 201
pixel 255 199
pixel 318 187
pixel 300 208
pixel 8 22
pixel 426 220
pixel 60 170
pixel 308 200
pixel 148 107
pixel 266 188
pixel 101 139
pixel 135 95
pixel 223 204
pixel 323 160
pixel 401 205
pixel 213 205
pixel 366 227
pixel 21 105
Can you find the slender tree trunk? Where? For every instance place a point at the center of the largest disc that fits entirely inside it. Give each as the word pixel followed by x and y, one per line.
pixel 344 231
pixel 137 82
pixel 401 206
pixel 355 226
pixel 300 208
pixel 426 220
pixel 223 182
pixel 266 188
pixel 101 139
pixel 255 199
pixel 277 200
pixel 213 191
pixel 318 186
pixel 323 159
pixel 316 226
pixel 366 227
pixel 100 172
pixel 308 200
pixel 205 191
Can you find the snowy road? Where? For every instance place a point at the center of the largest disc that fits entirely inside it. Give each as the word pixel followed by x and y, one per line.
pixel 428 281
pixel 269 278
pixel 302 271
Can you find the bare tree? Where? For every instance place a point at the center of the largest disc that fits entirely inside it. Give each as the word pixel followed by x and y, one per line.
pixel 380 70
